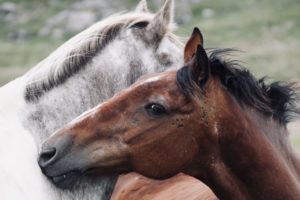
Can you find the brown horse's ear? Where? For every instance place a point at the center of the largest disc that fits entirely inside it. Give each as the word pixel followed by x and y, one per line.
pixel 192 44
pixel 200 66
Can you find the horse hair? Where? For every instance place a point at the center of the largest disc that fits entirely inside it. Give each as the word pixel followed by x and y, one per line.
pixel 277 99
pixel 74 63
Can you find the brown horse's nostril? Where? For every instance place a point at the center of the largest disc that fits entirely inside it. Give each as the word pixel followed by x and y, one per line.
pixel 47 157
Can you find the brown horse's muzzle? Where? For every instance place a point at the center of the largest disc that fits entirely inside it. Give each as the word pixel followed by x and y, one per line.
pixel 59 163
pixel 65 157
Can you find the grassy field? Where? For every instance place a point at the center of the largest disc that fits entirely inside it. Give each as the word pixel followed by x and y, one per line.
pixel 266 31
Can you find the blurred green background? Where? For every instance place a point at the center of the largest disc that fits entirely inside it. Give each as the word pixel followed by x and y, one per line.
pixel 267 31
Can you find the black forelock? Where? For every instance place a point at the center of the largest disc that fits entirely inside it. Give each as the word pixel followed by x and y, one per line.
pixel 276 99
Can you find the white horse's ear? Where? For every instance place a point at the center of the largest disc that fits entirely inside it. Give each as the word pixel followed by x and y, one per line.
pixel 161 21
pixel 142 7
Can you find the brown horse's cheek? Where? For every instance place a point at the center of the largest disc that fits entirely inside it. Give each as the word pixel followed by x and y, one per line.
pixel 166 156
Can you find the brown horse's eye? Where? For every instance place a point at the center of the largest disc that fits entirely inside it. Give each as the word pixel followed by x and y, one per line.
pixel 155 109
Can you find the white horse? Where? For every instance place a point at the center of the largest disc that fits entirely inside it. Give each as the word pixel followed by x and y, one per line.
pixel 86 70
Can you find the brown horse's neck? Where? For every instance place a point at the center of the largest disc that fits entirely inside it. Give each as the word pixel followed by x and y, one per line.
pixel 253 158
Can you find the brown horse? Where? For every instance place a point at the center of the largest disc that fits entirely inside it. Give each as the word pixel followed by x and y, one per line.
pixel 210 119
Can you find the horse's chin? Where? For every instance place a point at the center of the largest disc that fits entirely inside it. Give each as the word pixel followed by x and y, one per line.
pixel 66 180
pixel 70 179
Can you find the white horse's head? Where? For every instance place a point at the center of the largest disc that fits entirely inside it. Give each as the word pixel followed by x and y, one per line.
pixel 125 46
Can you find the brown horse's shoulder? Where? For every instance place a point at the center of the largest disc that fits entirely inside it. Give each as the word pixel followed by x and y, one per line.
pixel 134 186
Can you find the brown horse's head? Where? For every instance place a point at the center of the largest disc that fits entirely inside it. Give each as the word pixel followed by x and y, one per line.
pixel 175 121
pixel 146 128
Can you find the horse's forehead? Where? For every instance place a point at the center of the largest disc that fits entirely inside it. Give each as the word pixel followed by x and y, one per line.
pixel 160 88
pixel 154 79
pixel 162 85
pixel 157 78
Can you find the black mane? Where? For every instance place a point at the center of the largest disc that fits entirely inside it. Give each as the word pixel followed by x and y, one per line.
pixel 277 99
